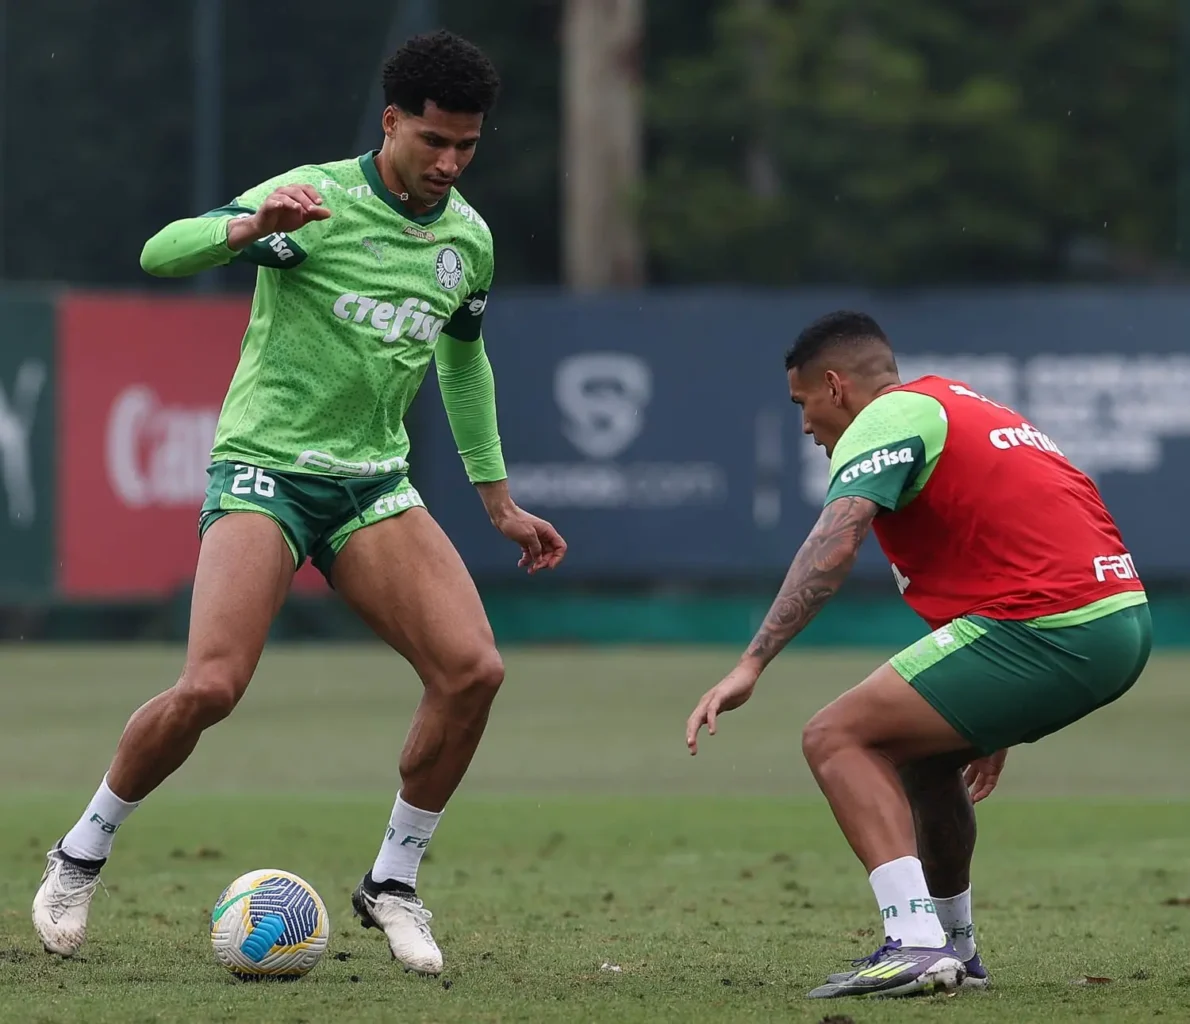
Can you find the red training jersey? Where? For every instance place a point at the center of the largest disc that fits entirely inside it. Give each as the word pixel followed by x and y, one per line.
pixel 1004 526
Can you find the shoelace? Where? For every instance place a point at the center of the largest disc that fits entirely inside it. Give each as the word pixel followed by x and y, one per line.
pixel 874 958
pixel 75 886
pixel 413 906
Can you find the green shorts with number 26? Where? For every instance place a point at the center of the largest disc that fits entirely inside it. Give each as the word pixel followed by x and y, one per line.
pixel 316 513
pixel 999 683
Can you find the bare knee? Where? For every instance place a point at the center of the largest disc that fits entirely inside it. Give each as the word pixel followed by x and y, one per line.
pixel 822 738
pixel 208 692
pixel 475 680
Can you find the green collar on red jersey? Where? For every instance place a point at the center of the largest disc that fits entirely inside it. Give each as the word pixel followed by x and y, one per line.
pixel 367 163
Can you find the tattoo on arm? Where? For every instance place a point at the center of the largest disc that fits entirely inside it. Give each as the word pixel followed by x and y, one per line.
pixel 817 572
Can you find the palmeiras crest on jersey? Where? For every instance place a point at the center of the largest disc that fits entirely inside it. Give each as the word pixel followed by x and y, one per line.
pixel 449 268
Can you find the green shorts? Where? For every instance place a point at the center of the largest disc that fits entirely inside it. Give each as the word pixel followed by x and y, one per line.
pixel 316 513
pixel 1000 683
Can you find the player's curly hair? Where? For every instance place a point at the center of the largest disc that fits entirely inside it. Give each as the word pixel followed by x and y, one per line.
pixel 444 69
pixel 841 329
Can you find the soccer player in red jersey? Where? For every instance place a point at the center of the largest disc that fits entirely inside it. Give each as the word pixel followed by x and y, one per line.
pixel 1038 618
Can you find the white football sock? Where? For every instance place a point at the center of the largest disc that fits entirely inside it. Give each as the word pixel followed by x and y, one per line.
pixel 954 915
pixel 905 902
pixel 405 842
pixel 91 838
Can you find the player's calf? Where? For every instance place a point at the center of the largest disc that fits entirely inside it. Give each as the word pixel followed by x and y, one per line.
pixel 162 733
pixel 447 727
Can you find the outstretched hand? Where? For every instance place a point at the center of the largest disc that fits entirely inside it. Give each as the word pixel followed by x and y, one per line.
pixel 727 695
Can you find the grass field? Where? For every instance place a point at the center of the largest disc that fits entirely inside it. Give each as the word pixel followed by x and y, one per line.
pixel 585 835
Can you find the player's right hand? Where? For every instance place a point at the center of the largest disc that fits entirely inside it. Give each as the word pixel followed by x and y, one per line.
pixel 287 209
pixel 735 688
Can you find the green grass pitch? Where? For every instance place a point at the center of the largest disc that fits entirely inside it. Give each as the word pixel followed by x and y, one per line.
pixel 585 835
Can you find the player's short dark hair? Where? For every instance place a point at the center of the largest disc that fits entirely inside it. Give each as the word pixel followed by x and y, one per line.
pixel 839 330
pixel 443 69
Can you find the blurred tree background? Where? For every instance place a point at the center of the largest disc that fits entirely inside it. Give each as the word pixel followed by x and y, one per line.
pixel 881 142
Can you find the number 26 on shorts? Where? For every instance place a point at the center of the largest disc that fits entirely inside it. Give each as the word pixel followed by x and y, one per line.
pixel 249 480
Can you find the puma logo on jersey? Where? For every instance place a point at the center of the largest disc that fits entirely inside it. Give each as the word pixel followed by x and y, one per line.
pixel 958 389
pixel 377 249
pixel 1026 434
pixel 877 462
pixel 408 320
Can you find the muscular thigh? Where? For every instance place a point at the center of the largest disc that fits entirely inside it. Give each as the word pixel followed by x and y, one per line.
pixel 244 571
pixel 403 576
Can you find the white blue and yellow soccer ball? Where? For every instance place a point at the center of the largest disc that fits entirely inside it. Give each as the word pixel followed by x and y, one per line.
pixel 269 924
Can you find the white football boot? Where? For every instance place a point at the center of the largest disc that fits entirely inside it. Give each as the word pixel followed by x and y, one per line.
pixel 396 910
pixel 63 900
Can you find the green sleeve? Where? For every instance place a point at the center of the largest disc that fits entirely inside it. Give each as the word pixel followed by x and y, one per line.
pixel 198 243
pixel 889 451
pixel 469 395
pixel 187 246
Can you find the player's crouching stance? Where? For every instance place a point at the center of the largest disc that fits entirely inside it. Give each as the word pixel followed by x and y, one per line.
pixel 369 267
pixel 1039 618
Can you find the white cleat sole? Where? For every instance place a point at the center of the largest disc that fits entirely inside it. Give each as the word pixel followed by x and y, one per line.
pixel 945 976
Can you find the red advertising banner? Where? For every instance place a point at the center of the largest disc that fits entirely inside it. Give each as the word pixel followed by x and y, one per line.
pixel 141 381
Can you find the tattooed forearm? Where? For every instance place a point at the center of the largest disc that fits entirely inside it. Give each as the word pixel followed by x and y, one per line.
pixel 818 570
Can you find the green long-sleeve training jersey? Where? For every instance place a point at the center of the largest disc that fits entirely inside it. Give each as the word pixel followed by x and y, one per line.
pixel 347 314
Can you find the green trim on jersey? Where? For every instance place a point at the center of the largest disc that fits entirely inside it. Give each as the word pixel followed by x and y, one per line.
pixel 367 164
pixel 889 451
pixel 1090 612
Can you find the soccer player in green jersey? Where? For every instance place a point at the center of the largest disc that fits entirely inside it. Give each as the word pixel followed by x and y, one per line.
pixel 368 268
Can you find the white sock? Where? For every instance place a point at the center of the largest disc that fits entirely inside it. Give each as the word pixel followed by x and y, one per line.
pixel 904 900
pixel 405 842
pixel 954 915
pixel 91 838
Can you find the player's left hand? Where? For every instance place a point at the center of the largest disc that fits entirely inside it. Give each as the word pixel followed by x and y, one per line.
pixel 734 690
pixel 542 547
pixel 982 775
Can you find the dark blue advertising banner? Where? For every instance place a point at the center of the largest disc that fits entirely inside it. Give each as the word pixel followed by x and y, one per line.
pixel 656 431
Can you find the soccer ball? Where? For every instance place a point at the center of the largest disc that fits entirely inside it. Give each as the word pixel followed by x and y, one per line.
pixel 269 924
